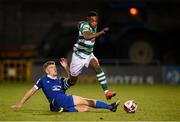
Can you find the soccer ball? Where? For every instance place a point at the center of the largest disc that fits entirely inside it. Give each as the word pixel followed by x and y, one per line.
pixel 130 106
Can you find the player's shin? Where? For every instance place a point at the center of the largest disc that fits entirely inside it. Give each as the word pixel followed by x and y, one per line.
pixel 102 79
pixel 68 83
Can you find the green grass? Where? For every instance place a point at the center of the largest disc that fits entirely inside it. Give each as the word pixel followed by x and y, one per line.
pixel 155 103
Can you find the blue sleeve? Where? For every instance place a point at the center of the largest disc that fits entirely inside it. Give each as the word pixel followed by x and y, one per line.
pixel 38 84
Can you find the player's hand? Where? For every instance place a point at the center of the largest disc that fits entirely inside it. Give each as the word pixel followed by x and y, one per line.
pixel 17 106
pixel 64 62
pixel 105 30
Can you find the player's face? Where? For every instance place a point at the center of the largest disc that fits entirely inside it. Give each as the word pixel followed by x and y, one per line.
pixel 51 70
pixel 93 21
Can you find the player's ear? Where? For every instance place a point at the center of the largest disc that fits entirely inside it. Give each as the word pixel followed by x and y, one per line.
pixel 46 70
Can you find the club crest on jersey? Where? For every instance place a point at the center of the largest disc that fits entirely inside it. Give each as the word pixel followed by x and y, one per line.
pixel 56 88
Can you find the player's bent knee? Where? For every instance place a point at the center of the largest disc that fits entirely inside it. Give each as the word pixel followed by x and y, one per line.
pixel 71 82
pixel 77 100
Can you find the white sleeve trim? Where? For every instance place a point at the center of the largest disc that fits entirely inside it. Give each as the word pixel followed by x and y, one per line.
pixel 36 86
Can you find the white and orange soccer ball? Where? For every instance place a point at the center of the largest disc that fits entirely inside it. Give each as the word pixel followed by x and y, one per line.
pixel 130 106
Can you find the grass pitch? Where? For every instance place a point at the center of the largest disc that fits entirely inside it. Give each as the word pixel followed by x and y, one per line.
pixel 155 103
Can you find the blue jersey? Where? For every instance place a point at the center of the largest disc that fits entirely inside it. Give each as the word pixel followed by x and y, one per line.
pixel 51 87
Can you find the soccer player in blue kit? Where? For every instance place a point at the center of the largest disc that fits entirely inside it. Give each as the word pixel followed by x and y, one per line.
pixel 54 89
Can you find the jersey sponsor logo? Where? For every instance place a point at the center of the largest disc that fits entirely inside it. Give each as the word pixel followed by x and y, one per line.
pixel 56 88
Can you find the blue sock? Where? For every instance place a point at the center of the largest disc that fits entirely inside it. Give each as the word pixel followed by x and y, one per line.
pixel 104 105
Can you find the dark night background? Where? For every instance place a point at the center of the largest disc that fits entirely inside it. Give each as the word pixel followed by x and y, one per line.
pixel 39 29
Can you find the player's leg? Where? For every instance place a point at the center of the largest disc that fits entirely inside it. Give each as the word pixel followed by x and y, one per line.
pixel 76 67
pixel 69 104
pixel 82 108
pixel 80 102
pixel 101 77
pixel 71 81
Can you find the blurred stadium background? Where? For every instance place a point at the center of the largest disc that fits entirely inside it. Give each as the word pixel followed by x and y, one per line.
pixel 142 46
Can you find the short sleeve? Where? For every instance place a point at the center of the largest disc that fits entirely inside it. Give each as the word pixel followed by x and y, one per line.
pixel 85 27
pixel 38 84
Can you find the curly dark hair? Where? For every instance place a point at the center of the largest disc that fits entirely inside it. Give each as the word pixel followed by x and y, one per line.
pixel 92 13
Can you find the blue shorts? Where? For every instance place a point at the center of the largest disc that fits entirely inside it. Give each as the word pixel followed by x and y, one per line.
pixel 66 102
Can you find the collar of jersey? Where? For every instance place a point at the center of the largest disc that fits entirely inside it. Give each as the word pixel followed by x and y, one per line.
pixel 51 77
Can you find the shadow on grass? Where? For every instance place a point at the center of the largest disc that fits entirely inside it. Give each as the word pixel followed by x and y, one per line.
pixel 38 112
pixel 46 112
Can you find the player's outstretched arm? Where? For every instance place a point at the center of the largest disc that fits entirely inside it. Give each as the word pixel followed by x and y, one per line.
pixel 24 99
pixel 65 65
pixel 88 35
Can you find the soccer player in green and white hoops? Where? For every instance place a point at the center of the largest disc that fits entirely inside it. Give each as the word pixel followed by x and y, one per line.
pixel 83 53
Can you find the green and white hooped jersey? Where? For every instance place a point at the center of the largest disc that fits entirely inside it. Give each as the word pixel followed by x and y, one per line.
pixel 84 47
